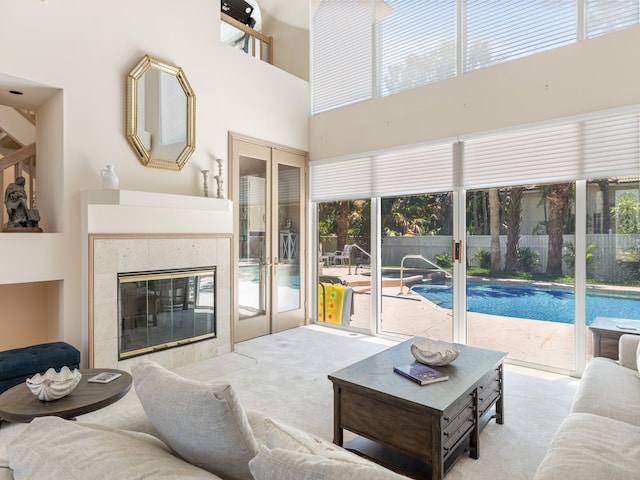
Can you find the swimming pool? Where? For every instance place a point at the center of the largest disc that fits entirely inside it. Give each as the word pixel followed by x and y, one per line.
pixel 534 302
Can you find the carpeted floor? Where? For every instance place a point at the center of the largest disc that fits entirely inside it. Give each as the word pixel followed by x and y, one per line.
pixel 285 376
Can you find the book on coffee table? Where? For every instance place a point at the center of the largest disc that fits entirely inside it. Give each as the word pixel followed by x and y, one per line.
pixel 104 377
pixel 420 373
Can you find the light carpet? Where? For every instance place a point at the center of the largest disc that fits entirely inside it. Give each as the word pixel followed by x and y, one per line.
pixel 285 376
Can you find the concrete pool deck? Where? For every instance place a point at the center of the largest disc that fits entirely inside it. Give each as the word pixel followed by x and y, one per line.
pixel 533 341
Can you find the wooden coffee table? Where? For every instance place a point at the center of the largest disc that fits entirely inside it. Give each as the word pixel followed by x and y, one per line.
pixel 607 332
pixel 19 405
pixel 425 423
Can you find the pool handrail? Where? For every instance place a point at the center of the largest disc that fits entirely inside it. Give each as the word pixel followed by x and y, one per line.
pixel 438 267
pixel 354 245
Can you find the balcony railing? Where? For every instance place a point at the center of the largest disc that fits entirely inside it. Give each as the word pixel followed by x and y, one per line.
pixel 255 43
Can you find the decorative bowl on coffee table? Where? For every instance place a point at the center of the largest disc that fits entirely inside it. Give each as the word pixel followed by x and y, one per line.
pixel 54 385
pixel 434 352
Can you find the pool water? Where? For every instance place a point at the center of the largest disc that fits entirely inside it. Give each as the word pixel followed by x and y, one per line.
pixel 534 302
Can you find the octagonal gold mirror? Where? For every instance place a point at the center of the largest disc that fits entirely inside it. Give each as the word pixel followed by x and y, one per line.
pixel 160 114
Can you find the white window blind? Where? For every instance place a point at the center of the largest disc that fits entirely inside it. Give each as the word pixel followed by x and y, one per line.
pixel 544 155
pixel 498 30
pixel 404 172
pixel 605 146
pixel 342 55
pixel 604 16
pixel 420 170
pixel 577 150
pixel 416 43
pixel 611 146
pixel 341 180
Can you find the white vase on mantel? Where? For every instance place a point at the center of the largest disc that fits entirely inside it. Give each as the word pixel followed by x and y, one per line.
pixel 110 180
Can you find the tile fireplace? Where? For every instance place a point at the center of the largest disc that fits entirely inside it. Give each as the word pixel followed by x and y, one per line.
pixel 181 312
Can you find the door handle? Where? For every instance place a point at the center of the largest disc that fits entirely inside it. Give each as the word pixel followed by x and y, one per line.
pixel 456 251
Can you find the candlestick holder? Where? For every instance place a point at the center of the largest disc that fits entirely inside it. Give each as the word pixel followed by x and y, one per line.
pixel 219 178
pixel 205 175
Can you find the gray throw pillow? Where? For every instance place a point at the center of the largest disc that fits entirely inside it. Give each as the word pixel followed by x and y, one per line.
pixel 203 423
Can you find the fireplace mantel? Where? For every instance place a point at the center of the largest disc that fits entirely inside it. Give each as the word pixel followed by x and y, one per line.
pixel 129 211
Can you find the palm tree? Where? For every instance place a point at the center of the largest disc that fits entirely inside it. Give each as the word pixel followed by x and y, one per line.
pixel 343 224
pixel 494 218
pixel 514 217
pixel 606 210
pixel 559 196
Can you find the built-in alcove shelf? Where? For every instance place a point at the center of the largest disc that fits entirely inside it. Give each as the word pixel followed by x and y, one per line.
pixel 32 257
pixel 120 211
pixel 31 288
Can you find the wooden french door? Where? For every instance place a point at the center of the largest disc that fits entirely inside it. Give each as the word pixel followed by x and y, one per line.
pixel 268 193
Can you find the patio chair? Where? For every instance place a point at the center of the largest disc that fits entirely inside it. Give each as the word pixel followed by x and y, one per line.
pixel 342 255
pixel 327 258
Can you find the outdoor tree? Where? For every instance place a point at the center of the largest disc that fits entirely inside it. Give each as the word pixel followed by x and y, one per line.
pixel 347 221
pixel 514 218
pixel 343 224
pixel 417 215
pixel 559 196
pixel 494 216
pixel 627 214
pixel 406 216
pixel 606 212
pixel 416 70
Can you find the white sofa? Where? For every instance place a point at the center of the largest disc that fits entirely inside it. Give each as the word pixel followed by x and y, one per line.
pixel 188 430
pixel 600 439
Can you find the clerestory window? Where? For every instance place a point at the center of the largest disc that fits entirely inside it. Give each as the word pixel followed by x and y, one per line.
pixel 363 49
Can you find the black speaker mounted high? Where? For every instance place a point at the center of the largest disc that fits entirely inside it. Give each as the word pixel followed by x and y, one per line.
pixel 238 9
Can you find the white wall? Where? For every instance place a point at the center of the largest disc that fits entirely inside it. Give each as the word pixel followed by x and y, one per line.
pixel 86 48
pixel 592 75
pixel 288 23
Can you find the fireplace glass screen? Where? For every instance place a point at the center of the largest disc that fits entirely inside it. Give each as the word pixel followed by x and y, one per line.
pixel 164 309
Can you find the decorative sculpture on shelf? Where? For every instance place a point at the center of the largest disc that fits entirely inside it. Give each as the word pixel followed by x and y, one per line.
pixel 21 217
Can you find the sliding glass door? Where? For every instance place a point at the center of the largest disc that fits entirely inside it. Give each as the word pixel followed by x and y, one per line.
pixel 520 290
pixel 344 282
pixel 612 256
pixel 385 265
pixel 416 265
pixel 535 274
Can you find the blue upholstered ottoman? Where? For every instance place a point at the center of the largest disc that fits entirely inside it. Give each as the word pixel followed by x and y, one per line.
pixel 21 363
